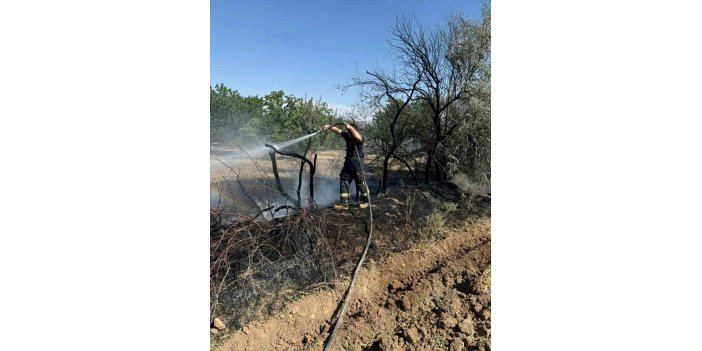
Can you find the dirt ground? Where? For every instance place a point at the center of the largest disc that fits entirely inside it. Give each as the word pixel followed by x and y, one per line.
pixel 424 286
pixel 435 296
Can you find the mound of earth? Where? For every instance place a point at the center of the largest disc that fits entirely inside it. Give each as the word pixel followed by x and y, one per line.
pixel 434 296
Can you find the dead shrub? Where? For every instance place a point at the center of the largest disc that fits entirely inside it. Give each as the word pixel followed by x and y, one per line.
pixel 449 207
pixel 434 225
pixel 410 200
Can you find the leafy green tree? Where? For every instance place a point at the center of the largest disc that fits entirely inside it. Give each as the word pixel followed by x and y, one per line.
pixel 469 150
pixel 447 69
pixel 276 117
pixel 230 112
pixel 449 61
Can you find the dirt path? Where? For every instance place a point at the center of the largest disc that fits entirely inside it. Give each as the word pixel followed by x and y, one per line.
pixel 433 298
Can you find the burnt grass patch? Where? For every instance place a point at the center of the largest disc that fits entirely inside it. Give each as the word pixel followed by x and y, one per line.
pixel 259 265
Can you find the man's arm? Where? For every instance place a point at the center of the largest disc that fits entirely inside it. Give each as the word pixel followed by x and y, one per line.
pixel 327 127
pixel 355 133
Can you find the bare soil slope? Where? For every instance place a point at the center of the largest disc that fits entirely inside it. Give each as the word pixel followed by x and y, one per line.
pixel 433 298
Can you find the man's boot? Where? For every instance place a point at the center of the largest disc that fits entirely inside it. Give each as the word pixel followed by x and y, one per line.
pixel 341 206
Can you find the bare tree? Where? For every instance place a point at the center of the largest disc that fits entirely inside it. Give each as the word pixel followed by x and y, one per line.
pixel 439 73
pixel 447 60
pixel 394 95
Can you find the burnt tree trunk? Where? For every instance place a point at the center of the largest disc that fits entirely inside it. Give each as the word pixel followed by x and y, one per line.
pixel 302 168
pixel 427 167
pixel 312 165
pixel 278 183
pixel 311 201
pixel 383 186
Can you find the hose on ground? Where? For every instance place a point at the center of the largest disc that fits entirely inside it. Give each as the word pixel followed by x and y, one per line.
pixel 345 300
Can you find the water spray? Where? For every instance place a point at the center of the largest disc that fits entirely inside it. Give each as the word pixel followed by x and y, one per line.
pixel 295 141
pixel 278 149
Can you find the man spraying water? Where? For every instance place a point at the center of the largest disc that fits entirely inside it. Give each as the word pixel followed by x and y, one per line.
pixel 352 166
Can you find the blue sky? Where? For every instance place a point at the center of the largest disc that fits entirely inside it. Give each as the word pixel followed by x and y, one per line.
pixel 308 47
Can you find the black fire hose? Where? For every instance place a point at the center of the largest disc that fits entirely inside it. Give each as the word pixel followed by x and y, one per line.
pixel 369 230
pixel 292 154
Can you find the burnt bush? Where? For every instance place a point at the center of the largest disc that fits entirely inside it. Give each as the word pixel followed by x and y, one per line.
pixel 253 260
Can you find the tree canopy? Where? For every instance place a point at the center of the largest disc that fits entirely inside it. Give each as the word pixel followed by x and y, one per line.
pixel 431 109
pixel 276 117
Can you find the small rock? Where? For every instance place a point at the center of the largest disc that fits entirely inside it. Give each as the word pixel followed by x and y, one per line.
pixel 477 307
pixel 456 345
pixel 483 330
pixel 448 281
pixel 388 304
pixel 214 331
pixel 442 309
pixel 468 341
pixel 405 303
pixel 217 323
pixel 412 335
pixel 466 326
pixel 390 344
pixel 396 285
pixel 455 304
pixel 246 330
pixel 447 322
pixel 485 315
